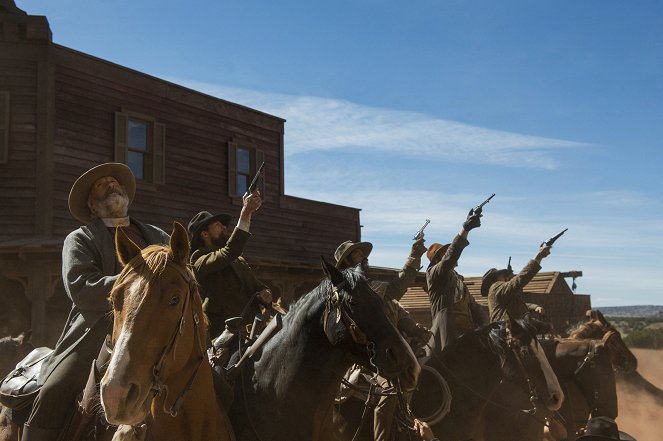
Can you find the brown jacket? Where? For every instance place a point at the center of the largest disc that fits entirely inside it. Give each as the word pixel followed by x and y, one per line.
pixel 447 292
pixel 226 279
pixel 506 298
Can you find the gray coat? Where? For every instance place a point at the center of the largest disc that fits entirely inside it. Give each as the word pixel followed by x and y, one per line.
pixel 89 270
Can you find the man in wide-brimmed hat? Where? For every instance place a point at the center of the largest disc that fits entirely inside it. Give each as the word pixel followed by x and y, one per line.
pixel 228 285
pixel 355 254
pixel 100 199
pixel 453 308
pixel 505 291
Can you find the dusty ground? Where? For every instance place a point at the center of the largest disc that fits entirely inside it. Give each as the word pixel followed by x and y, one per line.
pixel 639 415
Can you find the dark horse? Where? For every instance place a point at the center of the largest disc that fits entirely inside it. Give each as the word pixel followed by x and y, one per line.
pixel 584 364
pixel 473 366
pixel 288 393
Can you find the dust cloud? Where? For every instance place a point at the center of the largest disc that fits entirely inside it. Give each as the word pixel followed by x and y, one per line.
pixel 640 415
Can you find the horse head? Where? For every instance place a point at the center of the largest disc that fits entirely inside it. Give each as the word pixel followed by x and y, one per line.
pixel 354 318
pixel 586 364
pixel 524 361
pixel 596 326
pixel 158 329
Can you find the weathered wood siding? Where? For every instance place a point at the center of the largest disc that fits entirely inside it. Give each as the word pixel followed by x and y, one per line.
pixel 199 129
pixel 17 174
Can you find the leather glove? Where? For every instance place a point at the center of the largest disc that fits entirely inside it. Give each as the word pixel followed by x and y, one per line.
pixel 418 248
pixel 473 220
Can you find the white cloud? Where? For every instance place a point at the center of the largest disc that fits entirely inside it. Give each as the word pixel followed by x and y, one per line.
pixel 323 124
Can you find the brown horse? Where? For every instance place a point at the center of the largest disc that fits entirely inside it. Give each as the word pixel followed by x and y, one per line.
pixel 584 364
pixel 158 373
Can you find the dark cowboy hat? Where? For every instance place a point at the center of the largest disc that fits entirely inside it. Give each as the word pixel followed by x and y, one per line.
pixel 436 249
pixel 347 247
pixel 490 277
pixel 603 428
pixel 201 220
pixel 80 191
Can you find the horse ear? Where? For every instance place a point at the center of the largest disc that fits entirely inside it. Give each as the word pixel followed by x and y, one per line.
pixel 599 316
pixel 126 248
pixel 179 244
pixel 331 272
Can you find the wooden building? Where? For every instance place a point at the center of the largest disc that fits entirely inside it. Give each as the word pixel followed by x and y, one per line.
pixel 63 111
pixel 547 289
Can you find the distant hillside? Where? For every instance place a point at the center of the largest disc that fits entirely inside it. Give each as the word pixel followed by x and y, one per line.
pixel 632 311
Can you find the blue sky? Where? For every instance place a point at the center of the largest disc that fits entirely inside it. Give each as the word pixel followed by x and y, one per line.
pixel 415 110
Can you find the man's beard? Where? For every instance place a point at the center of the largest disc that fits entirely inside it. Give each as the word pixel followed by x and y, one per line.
pixel 115 204
pixel 220 241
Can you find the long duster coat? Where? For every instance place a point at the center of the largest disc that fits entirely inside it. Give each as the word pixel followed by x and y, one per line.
pixel 89 270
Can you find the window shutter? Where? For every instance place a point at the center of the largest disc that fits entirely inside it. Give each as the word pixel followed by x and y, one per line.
pixel 159 154
pixel 4 127
pixel 260 157
pixel 232 169
pixel 121 137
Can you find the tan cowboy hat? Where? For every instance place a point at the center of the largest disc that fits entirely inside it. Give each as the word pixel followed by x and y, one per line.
pixel 347 247
pixel 490 277
pixel 80 191
pixel 436 249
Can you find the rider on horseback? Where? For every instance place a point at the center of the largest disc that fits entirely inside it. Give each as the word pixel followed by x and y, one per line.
pixel 100 199
pixel 227 281
pixel 505 291
pixel 453 308
pixel 351 254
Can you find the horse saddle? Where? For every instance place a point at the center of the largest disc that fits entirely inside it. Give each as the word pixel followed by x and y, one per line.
pixel 21 386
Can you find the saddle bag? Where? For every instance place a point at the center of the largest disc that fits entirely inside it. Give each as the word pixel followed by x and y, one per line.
pixel 20 387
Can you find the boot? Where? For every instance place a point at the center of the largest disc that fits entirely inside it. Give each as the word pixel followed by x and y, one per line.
pixel 31 433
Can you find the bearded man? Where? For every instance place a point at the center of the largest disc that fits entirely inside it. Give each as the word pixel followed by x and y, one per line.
pixel 228 286
pixel 100 199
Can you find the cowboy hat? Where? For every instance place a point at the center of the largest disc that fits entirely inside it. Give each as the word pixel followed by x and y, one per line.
pixel 80 191
pixel 436 249
pixel 201 221
pixel 603 428
pixel 347 247
pixel 490 277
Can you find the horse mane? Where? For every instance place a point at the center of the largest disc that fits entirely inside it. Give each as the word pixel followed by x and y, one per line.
pixel 296 311
pixel 148 266
pixel 585 330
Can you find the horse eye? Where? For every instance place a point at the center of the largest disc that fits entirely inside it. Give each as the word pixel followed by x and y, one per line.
pixel 352 301
pixel 174 301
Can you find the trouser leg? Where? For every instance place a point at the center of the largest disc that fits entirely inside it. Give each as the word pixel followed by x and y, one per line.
pixel 57 397
pixel 384 414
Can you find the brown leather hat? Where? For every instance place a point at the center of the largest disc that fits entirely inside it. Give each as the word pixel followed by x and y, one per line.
pixel 490 277
pixel 202 220
pixel 435 249
pixel 347 247
pixel 80 191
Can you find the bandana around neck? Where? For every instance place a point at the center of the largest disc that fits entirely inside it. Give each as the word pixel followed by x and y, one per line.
pixel 112 222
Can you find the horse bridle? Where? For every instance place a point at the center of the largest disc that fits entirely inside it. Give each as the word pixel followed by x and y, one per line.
pixel 158 384
pixel 335 301
pixel 533 394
